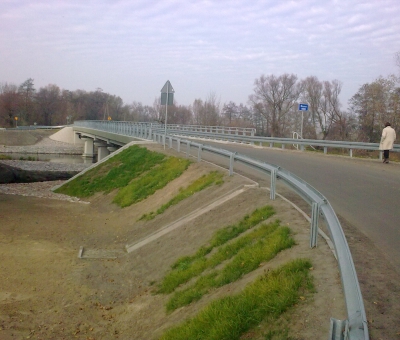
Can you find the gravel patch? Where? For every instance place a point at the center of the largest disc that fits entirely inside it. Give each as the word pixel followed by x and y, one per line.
pixel 37 189
pixel 45 166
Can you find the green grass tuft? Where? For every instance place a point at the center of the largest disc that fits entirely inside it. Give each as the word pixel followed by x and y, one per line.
pixel 188 267
pixel 115 173
pixel 136 171
pixel 248 257
pixel 230 317
pixel 153 180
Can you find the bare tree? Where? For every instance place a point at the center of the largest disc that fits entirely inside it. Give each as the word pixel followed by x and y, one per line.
pixel 27 91
pixel 332 107
pixel 48 100
pixel 9 104
pixel 278 96
pixel 206 112
pixel 230 112
pixel 374 104
pixel 198 111
pixel 313 118
pixel 397 59
pixel 211 110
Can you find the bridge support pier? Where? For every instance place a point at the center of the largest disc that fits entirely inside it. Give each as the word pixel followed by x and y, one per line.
pixel 102 152
pixel 88 148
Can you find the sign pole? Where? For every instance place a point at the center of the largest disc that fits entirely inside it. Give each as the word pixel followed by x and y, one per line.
pixel 301 128
pixel 166 116
pixel 167 95
pixel 302 108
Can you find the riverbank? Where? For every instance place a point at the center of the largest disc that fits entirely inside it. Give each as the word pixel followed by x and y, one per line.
pixel 45 142
pixel 17 142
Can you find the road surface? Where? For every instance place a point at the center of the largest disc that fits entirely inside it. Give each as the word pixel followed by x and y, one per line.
pixel 364 192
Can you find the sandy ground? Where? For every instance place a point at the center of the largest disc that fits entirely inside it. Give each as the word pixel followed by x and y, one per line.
pixel 47 292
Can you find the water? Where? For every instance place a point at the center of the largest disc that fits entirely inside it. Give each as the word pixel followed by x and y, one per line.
pixel 54 158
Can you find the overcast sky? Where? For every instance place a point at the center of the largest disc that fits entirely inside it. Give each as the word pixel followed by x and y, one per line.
pixel 131 48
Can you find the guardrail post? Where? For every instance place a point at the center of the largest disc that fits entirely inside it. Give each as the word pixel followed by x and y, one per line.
pixel 273 184
pixel 271 145
pixel 351 153
pixel 199 153
pixel 187 149
pixel 301 147
pixel 325 150
pixel 380 155
pixel 231 160
pixel 314 224
pixel 178 141
pixel 170 142
pixel 283 146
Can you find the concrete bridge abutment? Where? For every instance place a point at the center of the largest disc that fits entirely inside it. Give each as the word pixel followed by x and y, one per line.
pixel 93 144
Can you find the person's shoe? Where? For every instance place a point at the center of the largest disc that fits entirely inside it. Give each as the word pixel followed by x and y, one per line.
pixel 384 160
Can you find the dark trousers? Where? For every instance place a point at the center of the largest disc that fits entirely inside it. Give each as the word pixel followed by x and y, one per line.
pixel 386 154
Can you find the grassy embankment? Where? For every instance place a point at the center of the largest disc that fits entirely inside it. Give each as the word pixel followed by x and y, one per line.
pixel 231 253
pixel 137 173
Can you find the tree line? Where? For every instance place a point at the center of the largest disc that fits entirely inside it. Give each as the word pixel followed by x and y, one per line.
pixel 272 108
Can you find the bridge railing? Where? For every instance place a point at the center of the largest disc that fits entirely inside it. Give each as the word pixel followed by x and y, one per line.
pixel 133 126
pixel 355 327
pixel 238 135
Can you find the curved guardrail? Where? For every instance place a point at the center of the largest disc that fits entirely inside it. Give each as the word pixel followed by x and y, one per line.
pixel 355 327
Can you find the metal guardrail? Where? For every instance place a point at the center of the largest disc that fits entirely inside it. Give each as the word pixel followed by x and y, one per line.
pixel 288 141
pixel 120 127
pixel 355 327
pixel 238 135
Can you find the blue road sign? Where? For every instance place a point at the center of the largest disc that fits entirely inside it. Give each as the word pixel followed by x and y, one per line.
pixel 303 107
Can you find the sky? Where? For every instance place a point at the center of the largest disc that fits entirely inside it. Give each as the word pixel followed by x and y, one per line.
pixel 216 47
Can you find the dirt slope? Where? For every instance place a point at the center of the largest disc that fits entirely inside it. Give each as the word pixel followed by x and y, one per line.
pixel 47 292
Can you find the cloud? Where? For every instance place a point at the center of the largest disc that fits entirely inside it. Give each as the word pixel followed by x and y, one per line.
pixel 131 46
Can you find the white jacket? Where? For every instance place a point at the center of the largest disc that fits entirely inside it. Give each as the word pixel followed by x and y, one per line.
pixel 388 138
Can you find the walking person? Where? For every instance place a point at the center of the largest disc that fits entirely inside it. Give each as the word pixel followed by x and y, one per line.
pixel 387 140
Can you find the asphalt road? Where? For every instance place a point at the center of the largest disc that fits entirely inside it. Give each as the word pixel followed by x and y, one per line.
pixel 366 193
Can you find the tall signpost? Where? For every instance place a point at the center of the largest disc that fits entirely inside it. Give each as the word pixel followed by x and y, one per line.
pixel 302 108
pixel 167 98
